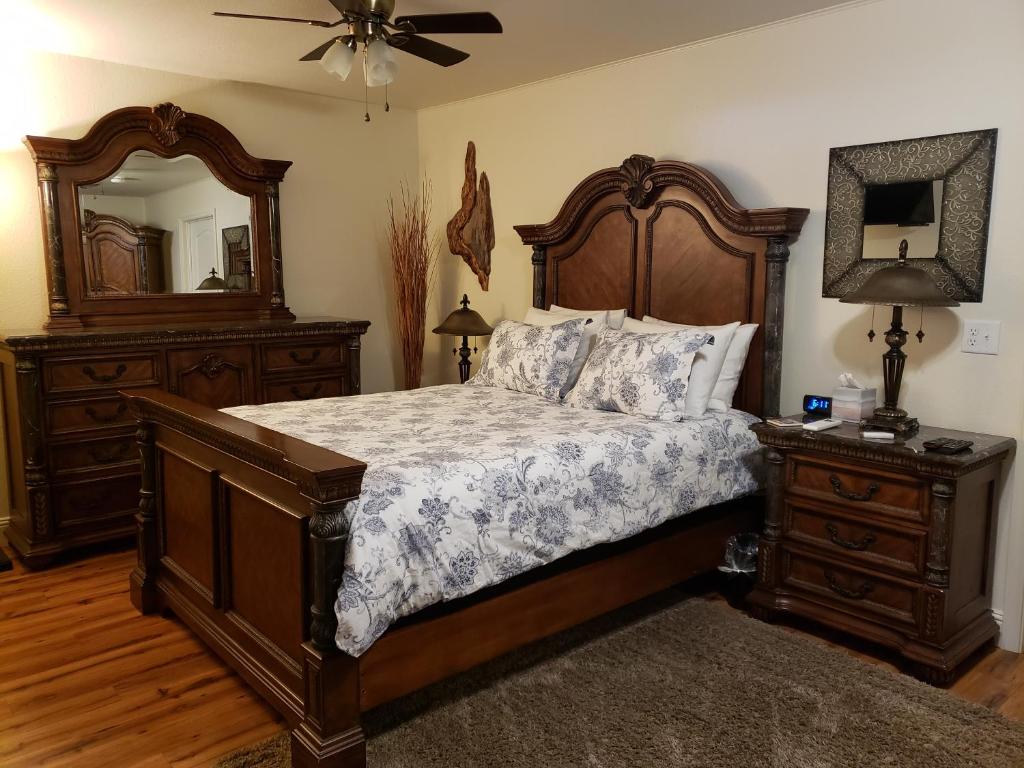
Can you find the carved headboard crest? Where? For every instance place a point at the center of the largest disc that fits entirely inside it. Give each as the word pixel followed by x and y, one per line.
pixel 166 126
pixel 637 186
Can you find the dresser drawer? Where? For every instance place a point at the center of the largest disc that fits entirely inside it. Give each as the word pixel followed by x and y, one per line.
pixel 96 504
pixel 303 389
pixel 292 358
pixel 901 550
pixel 82 415
pixel 73 374
pixel 859 591
pixel 863 489
pixel 95 454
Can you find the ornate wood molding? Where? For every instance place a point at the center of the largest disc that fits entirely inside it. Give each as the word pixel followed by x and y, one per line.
pixel 640 178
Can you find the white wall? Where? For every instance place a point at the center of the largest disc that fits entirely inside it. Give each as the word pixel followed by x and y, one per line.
pixel 333 198
pixel 761 110
pixel 131 209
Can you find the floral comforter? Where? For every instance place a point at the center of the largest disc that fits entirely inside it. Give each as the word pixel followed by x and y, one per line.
pixel 467 486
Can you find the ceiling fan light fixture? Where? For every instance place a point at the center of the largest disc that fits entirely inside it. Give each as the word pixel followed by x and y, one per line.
pixel 339 57
pixel 379 63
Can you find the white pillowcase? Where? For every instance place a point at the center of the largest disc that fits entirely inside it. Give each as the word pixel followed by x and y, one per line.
pixel 613 317
pixel 598 322
pixel 644 374
pixel 707 365
pixel 526 358
pixel 735 358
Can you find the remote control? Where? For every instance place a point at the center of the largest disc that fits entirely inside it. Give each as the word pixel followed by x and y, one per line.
pixel 947 445
pixel 822 424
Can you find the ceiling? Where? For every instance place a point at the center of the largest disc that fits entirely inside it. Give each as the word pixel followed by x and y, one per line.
pixel 143 174
pixel 542 39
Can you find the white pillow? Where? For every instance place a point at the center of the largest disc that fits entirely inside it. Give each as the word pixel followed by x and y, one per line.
pixel 707 365
pixel 644 374
pixel 598 322
pixel 735 358
pixel 614 317
pixel 525 358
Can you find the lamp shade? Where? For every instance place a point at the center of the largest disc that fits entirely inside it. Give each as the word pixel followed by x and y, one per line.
pixel 464 322
pixel 900 286
pixel 213 283
pixel 339 57
pixel 380 63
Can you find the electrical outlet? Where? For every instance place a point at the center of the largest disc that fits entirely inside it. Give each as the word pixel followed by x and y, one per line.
pixel 981 337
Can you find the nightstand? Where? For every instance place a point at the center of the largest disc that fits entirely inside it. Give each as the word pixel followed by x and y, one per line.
pixel 883 540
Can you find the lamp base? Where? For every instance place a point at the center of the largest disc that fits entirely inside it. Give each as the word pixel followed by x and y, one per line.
pixel 893 420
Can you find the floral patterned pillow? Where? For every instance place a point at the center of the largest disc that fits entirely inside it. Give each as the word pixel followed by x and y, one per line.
pixel 639 374
pixel 528 358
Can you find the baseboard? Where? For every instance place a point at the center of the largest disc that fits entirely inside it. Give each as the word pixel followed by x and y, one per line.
pixel 998 616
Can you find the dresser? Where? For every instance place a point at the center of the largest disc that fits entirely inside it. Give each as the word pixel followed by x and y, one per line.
pixel 883 540
pixel 74 462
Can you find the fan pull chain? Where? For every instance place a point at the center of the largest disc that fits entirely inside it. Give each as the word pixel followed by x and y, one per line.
pixel 387 106
pixel 920 328
pixel 366 102
pixel 871 333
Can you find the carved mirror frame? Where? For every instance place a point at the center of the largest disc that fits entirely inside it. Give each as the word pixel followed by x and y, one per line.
pixel 62 165
pixel 965 161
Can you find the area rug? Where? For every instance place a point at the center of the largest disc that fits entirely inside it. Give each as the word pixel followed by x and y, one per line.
pixel 679 682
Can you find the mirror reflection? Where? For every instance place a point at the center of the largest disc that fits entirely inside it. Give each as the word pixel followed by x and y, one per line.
pixel 908 211
pixel 165 225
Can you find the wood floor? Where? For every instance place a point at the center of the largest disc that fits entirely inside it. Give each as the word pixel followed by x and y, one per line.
pixel 85 681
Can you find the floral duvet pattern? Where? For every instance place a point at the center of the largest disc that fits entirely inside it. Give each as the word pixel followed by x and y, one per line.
pixel 468 486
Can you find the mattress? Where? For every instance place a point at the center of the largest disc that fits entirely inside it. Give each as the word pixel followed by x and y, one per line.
pixel 468 486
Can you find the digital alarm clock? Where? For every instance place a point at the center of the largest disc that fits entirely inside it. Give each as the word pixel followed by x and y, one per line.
pixel 817 407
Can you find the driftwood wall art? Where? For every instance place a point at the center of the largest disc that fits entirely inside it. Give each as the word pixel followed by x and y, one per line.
pixel 471 230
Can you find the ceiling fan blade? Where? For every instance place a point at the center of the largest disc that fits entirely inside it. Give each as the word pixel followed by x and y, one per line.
pixel 443 23
pixel 311 22
pixel 427 49
pixel 318 53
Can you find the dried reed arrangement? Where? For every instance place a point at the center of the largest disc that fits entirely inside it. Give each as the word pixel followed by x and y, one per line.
pixel 414 258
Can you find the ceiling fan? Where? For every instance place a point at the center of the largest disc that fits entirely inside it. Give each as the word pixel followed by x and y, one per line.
pixel 369 23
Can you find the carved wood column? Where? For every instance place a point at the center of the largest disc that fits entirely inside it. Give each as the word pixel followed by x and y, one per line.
pixel 328 536
pixel 37 484
pixel 354 383
pixel 774 505
pixel 53 241
pixel 276 269
pixel 540 275
pixel 943 499
pixel 143 578
pixel 776 256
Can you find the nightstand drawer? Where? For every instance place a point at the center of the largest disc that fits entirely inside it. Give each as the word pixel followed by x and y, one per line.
pixel 901 550
pixel 862 592
pixel 860 488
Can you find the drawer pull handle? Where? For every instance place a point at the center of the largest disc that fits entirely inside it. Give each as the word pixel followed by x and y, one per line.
pixel 300 395
pixel 838 490
pixel 110 456
pixel 866 541
pixel 305 360
pixel 105 378
pixel 865 589
pixel 106 418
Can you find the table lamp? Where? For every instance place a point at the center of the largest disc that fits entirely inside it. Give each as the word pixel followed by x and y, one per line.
pixel 899 286
pixel 464 322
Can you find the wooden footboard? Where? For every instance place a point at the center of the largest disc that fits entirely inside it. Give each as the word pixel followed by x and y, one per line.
pixel 242 536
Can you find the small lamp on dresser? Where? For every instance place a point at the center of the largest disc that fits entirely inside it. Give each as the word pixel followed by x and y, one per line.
pixel 464 322
pixel 899 286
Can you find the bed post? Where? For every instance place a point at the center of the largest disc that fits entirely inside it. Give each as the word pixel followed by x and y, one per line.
pixel 143 578
pixel 330 734
pixel 540 274
pixel 776 257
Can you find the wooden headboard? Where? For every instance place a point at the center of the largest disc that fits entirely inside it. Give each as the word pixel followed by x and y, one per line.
pixel 668 239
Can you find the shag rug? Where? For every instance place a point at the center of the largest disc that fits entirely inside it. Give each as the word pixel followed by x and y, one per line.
pixel 678 682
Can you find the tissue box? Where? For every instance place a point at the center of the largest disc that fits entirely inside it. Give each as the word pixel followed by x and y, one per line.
pixel 851 404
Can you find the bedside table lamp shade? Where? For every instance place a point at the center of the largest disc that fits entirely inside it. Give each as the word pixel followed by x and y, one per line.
pixel 899 286
pixel 464 322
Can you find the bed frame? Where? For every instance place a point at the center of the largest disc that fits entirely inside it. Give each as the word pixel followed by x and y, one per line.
pixel 663 238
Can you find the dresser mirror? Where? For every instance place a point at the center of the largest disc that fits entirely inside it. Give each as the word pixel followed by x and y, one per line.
pixel 935 192
pixel 155 226
pixel 158 216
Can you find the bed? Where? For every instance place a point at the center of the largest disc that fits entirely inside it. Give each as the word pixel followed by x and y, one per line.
pixel 255 525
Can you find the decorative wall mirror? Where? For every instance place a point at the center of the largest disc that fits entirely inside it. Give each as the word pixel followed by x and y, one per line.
pixel 934 192
pixel 157 215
